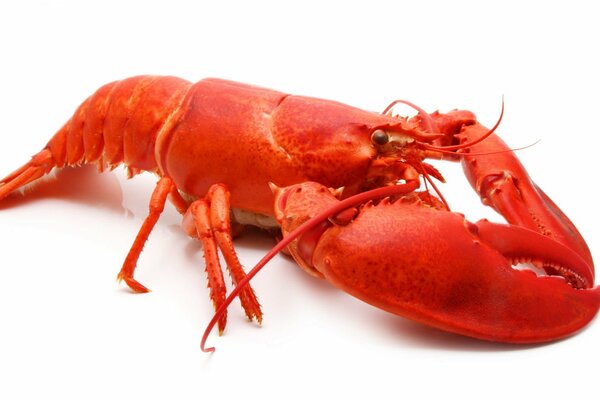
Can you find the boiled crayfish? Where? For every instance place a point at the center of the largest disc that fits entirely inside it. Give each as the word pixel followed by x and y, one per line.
pixel 224 150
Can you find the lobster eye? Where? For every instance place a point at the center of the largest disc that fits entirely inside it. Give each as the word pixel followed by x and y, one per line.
pixel 380 137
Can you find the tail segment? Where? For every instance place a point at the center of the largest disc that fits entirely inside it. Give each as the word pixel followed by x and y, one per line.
pixel 40 165
pixel 119 123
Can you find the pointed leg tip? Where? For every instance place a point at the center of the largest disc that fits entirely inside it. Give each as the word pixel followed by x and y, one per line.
pixel 221 327
pixel 250 304
pixel 133 284
pixel 258 315
pixel 254 315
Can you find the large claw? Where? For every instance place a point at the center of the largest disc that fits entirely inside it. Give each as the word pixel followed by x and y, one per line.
pixel 503 184
pixel 437 268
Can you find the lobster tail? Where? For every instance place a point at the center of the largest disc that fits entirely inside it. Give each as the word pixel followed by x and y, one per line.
pixel 120 123
pixel 41 164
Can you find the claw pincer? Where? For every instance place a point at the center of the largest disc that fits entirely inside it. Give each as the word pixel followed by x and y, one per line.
pixel 435 267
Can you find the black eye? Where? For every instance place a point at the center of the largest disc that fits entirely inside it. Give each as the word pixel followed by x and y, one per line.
pixel 379 137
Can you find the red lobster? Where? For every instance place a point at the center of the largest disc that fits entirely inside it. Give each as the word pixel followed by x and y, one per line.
pixel 217 145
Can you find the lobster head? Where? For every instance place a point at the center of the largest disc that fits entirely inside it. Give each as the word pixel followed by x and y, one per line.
pixel 339 145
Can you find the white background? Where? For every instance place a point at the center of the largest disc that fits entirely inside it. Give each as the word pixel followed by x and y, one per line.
pixel 67 329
